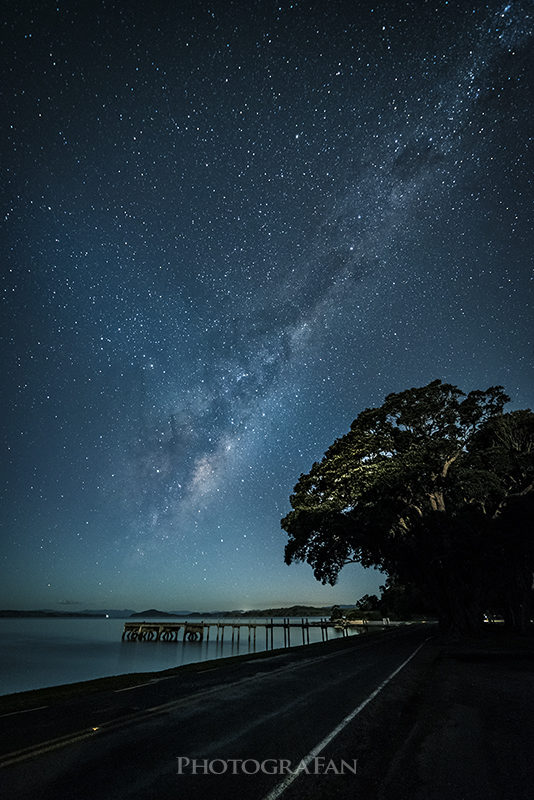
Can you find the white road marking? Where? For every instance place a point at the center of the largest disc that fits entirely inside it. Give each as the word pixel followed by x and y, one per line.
pixel 136 686
pixel 288 780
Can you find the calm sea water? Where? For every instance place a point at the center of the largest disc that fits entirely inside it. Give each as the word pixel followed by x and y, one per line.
pixel 48 652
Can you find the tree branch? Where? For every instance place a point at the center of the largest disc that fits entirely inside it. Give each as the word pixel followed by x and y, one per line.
pixel 448 463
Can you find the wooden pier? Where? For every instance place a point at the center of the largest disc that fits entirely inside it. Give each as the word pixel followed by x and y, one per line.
pixel 197 631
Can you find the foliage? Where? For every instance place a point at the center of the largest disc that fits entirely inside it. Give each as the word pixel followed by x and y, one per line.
pixel 404 601
pixel 336 613
pixel 367 607
pixel 369 602
pixel 411 489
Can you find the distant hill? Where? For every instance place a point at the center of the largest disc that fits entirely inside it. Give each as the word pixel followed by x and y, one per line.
pixel 288 611
pixel 151 612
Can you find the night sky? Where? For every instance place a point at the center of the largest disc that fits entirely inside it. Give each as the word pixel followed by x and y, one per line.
pixel 229 227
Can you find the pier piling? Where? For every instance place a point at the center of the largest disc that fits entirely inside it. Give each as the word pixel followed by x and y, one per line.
pixel 196 631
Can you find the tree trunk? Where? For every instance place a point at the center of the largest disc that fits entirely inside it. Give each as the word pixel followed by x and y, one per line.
pixel 459 603
pixel 437 501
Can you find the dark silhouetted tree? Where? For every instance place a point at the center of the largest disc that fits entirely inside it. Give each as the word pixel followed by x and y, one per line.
pixel 369 602
pixel 336 613
pixel 416 488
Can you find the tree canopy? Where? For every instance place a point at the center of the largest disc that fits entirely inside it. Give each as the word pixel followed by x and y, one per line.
pixel 433 488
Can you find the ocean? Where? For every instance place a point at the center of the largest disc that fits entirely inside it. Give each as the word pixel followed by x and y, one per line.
pixel 37 653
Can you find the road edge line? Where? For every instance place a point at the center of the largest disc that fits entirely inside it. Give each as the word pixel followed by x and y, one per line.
pixel 278 790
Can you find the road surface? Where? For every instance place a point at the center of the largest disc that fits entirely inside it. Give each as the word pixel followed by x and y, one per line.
pixel 222 721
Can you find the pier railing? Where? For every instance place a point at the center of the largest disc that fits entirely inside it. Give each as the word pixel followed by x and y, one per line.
pixel 197 631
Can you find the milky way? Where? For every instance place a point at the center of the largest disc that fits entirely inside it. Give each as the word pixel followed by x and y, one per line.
pixel 229 228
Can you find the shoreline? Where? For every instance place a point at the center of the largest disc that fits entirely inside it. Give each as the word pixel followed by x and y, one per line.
pixel 30 698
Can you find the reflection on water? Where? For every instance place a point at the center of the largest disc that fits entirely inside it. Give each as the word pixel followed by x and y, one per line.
pixel 140 656
pixel 48 652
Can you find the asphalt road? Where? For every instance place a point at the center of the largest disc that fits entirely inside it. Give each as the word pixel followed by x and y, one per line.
pixel 126 744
